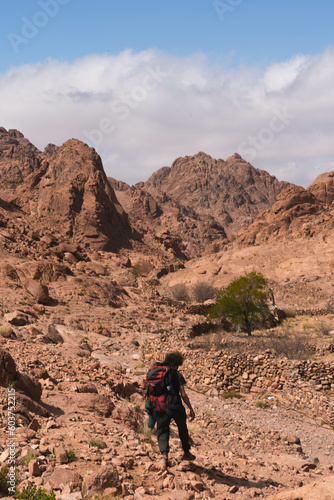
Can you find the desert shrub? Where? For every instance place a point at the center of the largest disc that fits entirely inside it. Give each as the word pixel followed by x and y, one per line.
pixel 3 480
pixel 261 404
pixel 324 328
pixel 136 271
pixel 98 444
pixel 28 458
pixel 180 292
pixel 232 394
pixel 291 346
pixel 4 476
pixel 32 493
pixel 203 291
pixel 71 456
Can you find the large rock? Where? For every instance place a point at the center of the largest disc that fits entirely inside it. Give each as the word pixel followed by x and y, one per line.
pixel 29 386
pixel 54 336
pixel 16 318
pixel 38 291
pixel 62 477
pixel 105 477
pixel 26 406
pixel 24 383
pixel 95 403
pixel 7 368
pixel 43 271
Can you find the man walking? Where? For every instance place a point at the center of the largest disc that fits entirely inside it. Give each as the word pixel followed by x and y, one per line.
pixel 175 411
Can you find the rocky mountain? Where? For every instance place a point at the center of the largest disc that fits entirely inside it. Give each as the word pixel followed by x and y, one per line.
pixel 231 191
pixel 152 215
pixel 200 199
pixel 63 191
pixel 87 305
pixel 296 213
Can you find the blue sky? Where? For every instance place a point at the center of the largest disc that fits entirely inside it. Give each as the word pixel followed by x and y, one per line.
pixel 146 81
pixel 237 31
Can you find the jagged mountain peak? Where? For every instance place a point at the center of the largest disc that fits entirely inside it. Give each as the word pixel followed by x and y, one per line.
pixel 232 191
pixel 64 189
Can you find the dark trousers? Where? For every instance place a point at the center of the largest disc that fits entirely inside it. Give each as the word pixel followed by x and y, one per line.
pixel 163 423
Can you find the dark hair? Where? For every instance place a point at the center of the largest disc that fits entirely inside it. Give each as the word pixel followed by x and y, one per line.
pixel 174 359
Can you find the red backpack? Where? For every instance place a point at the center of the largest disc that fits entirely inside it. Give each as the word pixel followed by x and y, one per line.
pixel 160 390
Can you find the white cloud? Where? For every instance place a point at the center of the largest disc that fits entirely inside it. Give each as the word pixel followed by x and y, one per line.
pixel 143 110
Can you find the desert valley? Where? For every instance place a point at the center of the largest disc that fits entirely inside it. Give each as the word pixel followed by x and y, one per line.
pixel 99 279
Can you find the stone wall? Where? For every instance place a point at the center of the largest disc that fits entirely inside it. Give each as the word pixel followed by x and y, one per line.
pixel 305 385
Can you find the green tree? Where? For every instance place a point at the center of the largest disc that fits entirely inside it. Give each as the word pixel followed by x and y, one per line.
pixel 244 302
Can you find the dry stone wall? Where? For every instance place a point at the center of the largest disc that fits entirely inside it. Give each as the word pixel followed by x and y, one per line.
pixel 305 385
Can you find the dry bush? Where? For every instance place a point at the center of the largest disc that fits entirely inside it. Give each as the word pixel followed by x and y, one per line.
pixel 291 346
pixel 180 292
pixel 203 291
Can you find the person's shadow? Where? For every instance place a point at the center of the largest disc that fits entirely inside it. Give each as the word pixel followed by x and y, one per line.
pixel 228 480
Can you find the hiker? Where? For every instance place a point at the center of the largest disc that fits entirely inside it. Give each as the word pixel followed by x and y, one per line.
pixel 166 390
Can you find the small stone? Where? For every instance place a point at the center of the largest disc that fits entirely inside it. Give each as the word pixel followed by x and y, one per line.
pixel 233 489
pixel 293 440
pixel 33 468
pixel 61 455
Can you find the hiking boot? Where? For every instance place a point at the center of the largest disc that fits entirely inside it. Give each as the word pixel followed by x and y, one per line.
pixel 163 463
pixel 188 456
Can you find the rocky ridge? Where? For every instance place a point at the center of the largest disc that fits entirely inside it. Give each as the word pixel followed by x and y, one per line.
pixel 216 199
pixel 231 191
pixel 297 212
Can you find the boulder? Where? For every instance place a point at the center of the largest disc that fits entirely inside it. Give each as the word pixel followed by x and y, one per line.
pixel 7 331
pixel 62 477
pixel 95 403
pixel 29 386
pixel 54 336
pixel 26 406
pixel 43 271
pixel 16 318
pixel 105 477
pixel 7 270
pixel 33 468
pixel 88 388
pixel 38 291
pixel 7 368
